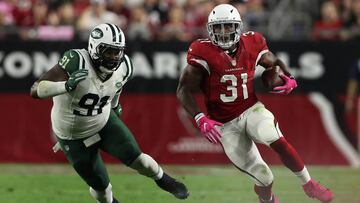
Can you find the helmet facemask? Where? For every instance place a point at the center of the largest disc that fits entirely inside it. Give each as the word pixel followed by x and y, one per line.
pixel 108 57
pixel 225 34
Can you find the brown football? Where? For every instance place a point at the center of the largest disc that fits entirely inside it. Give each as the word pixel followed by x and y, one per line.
pixel 270 77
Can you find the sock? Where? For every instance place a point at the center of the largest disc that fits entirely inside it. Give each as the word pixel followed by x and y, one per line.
pixel 264 192
pixel 159 175
pixel 288 155
pixel 102 196
pixel 147 166
pixel 303 175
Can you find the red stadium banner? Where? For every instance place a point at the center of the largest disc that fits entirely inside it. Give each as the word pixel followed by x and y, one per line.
pixel 164 131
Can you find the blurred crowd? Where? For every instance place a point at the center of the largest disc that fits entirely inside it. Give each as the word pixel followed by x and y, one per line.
pixel 182 20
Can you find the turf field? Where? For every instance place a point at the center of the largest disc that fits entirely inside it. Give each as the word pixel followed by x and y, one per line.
pixel 207 184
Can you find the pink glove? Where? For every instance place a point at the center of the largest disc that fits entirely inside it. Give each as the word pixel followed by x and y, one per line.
pixel 290 84
pixel 207 128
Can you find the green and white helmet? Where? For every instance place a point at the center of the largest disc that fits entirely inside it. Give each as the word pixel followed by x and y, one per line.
pixel 106 47
pixel 224 26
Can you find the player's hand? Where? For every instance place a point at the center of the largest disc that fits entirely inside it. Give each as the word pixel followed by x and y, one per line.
pixel 75 78
pixel 207 128
pixel 290 84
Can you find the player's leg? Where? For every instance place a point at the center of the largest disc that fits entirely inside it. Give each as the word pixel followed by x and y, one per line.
pixel 145 162
pixel 243 153
pixel 103 195
pixel 88 164
pixel 118 141
pixel 263 128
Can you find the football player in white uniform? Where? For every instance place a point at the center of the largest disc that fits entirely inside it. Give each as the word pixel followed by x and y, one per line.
pixel 85 86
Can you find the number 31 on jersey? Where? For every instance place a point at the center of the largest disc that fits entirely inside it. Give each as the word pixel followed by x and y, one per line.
pixel 232 88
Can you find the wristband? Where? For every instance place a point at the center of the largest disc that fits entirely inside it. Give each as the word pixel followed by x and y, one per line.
pixel 47 88
pixel 198 116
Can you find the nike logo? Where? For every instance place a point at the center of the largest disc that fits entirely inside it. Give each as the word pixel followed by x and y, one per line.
pixel 205 124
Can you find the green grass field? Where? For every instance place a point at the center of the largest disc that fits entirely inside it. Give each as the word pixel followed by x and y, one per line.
pixel 207 184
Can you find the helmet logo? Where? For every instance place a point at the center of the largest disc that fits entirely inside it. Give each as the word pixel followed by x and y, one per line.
pixel 118 85
pixel 97 33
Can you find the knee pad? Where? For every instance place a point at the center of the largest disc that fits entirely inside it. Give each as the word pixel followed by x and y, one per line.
pixel 147 166
pixel 265 132
pixel 104 196
pixel 262 127
pixel 261 174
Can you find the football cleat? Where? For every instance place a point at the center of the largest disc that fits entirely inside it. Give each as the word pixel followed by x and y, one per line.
pixel 273 200
pixel 173 186
pixel 314 190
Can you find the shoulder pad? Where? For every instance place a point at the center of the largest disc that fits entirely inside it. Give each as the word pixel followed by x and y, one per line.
pixel 254 41
pixel 199 47
pixel 130 68
pixel 72 61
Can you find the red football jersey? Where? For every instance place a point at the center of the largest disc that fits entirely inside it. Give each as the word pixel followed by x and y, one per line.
pixel 228 87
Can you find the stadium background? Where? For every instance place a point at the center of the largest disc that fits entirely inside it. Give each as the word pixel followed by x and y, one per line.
pixel 317 39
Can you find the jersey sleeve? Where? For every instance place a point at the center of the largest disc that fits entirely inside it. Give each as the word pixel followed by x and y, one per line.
pixel 260 41
pixel 261 45
pixel 195 56
pixel 130 68
pixel 72 61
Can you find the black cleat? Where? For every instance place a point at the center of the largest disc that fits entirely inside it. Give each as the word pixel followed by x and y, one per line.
pixel 173 186
pixel 115 200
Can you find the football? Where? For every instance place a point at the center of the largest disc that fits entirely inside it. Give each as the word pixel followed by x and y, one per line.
pixel 270 77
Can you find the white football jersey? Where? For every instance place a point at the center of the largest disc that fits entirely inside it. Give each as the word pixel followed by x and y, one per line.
pixel 84 111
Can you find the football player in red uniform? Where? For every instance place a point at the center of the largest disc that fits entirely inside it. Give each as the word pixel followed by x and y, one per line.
pixel 223 68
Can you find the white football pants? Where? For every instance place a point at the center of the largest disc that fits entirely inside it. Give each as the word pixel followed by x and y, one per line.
pixel 256 124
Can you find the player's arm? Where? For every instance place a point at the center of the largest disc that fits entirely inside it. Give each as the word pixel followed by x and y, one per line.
pixel 62 78
pixel 269 60
pixel 351 91
pixel 50 84
pixel 189 84
pixel 352 88
pixel 115 104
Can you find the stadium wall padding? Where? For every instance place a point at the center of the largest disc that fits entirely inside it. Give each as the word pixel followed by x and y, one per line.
pixel 152 112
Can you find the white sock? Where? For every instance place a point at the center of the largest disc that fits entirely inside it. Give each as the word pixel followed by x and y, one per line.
pixel 102 196
pixel 159 175
pixel 303 175
pixel 147 166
